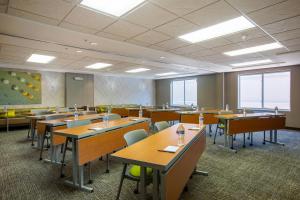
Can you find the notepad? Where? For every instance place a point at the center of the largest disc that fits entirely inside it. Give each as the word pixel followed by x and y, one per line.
pixel 134 119
pixel 170 149
pixel 68 120
pixel 96 129
pixel 195 129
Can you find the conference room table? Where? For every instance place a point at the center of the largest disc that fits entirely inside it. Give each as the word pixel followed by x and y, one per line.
pixel 50 126
pixel 252 122
pixel 35 118
pixel 171 171
pixel 90 142
pixel 167 114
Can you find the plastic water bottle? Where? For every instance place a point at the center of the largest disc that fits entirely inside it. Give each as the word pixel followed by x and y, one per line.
pixel 197 108
pixel 200 119
pixel 180 132
pixel 276 110
pixel 163 106
pixel 227 107
pixel 76 112
pixel 140 112
pixel 244 112
pixel 108 109
pixel 167 105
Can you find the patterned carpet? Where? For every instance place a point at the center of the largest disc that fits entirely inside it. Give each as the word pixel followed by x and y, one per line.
pixel 259 172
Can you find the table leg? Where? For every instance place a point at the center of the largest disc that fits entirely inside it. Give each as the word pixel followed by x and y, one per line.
pixel 143 183
pixel 155 184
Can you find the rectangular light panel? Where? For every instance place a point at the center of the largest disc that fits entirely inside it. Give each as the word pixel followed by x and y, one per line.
pixel 113 7
pixel 98 66
pixel 37 58
pixel 255 49
pixel 224 28
pixel 256 62
pixel 167 74
pixel 137 70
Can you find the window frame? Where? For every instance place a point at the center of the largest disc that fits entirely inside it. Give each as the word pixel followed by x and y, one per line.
pixel 262 89
pixel 171 93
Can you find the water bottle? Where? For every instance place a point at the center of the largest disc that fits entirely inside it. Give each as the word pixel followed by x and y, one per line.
pixel 167 105
pixel 197 109
pixel 276 110
pixel 108 109
pixel 180 133
pixel 244 112
pixel 140 112
pixel 57 109
pixel 227 107
pixel 87 108
pixel 163 106
pixel 200 119
pixel 76 112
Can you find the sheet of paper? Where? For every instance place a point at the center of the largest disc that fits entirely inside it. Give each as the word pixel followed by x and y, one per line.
pixel 96 128
pixel 195 128
pixel 171 149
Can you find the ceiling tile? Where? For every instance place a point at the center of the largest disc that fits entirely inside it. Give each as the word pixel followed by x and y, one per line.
pixel 229 47
pixel 291 42
pixel 56 9
pixel 172 44
pixel 150 16
pixel 284 25
pixel 256 42
pixel 182 7
pixel 77 28
pixel 151 37
pixel 3 8
pixel 287 35
pixel 124 29
pixel 214 42
pixel 276 12
pixel 188 49
pixel 158 48
pixel 89 19
pixel 177 27
pixel 139 43
pixel 248 34
pixel 111 36
pixel 213 14
pixel 247 6
pixel 204 52
pixel 33 17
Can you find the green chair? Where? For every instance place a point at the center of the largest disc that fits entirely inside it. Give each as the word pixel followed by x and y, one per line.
pixel 71 124
pixel 113 117
pixel 134 170
pixel 159 126
pixel 221 124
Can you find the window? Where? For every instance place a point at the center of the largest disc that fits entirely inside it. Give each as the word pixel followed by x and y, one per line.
pixel 184 92
pixel 266 90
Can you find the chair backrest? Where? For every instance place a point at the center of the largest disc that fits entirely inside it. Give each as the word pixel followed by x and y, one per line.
pixel 113 117
pixel 88 112
pixel 39 111
pixel 134 136
pixel 161 125
pixel 52 117
pixel 75 123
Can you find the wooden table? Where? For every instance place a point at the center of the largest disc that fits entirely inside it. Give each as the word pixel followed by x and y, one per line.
pixel 252 122
pixel 33 123
pixel 168 114
pixel 89 145
pixel 51 125
pixel 122 111
pixel 172 169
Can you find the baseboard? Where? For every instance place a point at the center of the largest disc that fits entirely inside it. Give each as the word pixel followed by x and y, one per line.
pixel 292 128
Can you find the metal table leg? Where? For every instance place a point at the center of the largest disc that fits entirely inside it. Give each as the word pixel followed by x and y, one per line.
pixel 143 183
pixel 155 184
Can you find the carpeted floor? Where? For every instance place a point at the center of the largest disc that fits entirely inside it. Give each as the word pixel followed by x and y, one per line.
pixel 259 172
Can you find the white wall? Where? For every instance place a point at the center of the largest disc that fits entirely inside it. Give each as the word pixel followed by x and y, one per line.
pixel 120 90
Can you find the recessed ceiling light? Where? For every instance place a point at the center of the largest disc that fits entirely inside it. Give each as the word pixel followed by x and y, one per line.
pixel 112 7
pixel 255 49
pixel 137 70
pixel 79 51
pixel 224 28
pixel 255 62
pixel 98 66
pixel 167 74
pixel 37 58
pixel 93 43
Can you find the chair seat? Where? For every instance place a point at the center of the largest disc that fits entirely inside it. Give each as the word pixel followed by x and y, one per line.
pixel 221 126
pixel 135 171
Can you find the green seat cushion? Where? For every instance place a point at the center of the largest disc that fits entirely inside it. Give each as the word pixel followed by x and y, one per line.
pixel 221 126
pixel 135 170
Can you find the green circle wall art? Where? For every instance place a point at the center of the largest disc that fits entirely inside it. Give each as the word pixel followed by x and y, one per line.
pixel 19 88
